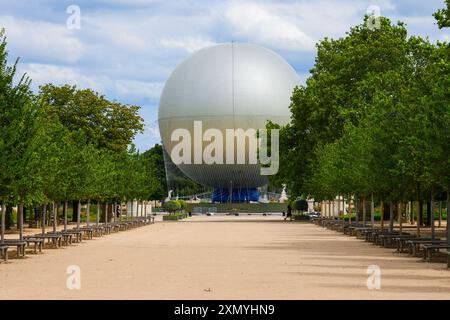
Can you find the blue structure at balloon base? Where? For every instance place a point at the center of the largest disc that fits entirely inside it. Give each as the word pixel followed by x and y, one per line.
pixel 238 195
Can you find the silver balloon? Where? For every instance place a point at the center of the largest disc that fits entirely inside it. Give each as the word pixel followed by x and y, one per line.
pixel 227 86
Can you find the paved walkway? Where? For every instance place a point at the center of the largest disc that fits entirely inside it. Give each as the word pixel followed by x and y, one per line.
pixel 223 258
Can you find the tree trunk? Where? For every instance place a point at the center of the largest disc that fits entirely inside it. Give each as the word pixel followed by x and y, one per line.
pixel 448 216
pixel 55 216
pixel 8 222
pixel 391 216
pixel 98 212
pixel 364 209
pixel 24 214
pixel 43 214
pixel 440 214
pixel 20 220
pixel 88 213
pixel 78 214
pixel 372 212
pixel 420 213
pixel 428 220
pixel 74 211
pixel 419 217
pixel 432 216
pixel 2 222
pixel 65 215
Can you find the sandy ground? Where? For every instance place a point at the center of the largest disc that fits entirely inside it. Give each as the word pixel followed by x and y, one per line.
pixel 223 258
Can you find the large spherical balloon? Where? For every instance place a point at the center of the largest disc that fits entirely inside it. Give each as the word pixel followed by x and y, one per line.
pixel 227 86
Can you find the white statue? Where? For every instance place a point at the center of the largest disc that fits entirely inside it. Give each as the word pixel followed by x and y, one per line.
pixel 283 196
pixel 169 196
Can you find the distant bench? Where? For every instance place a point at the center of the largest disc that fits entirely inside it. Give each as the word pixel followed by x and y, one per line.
pixel 428 250
pixel 56 239
pixel 448 259
pixel 414 245
pixel 4 252
pixel 19 244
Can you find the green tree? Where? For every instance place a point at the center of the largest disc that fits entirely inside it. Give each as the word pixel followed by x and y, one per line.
pixel 155 175
pixel 442 16
pixel 347 76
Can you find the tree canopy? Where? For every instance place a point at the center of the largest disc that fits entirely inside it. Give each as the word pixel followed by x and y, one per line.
pixel 373 118
pixel 65 143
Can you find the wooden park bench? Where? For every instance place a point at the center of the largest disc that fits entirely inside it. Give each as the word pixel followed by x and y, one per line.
pixel 317 220
pixel 77 234
pixel 403 239
pixel 37 243
pixel 429 249
pixel 414 245
pixel 114 226
pixel 376 236
pixel 131 223
pixel 328 223
pixel 4 252
pixel 107 228
pixel 120 226
pixel 66 237
pixel 361 231
pixel 55 239
pixel 370 233
pixel 388 239
pixel 18 244
pixel 97 231
pixel 88 232
pixel 348 229
pixel 448 259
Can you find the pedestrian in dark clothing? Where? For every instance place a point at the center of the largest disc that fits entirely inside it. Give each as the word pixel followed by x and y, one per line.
pixel 289 212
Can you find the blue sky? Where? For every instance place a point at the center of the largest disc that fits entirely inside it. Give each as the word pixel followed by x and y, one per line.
pixel 126 49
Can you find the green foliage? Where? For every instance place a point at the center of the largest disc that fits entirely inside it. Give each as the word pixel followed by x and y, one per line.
pixel 171 206
pixel 174 217
pixel 442 16
pixel 105 124
pixel 154 172
pixel 373 118
pixel 70 144
pixel 300 205
pixel 182 204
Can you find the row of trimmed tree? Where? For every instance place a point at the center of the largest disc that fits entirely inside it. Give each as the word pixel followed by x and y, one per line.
pixel 373 120
pixel 66 145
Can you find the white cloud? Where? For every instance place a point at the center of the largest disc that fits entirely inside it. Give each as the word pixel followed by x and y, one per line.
pixel 124 89
pixel 44 40
pixel 48 73
pixel 190 44
pixel 257 22
pixel 132 88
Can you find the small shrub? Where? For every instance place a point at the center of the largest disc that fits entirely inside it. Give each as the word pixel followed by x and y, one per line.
pixel 171 206
pixel 300 205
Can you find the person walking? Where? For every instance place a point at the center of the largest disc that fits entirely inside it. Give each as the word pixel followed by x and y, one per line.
pixel 289 213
